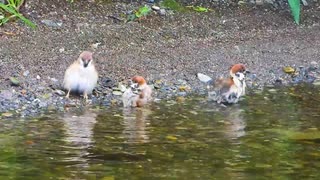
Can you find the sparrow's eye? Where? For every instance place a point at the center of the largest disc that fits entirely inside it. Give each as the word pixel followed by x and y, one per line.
pixel 237 74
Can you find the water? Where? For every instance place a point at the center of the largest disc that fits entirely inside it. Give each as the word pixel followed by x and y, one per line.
pixel 272 134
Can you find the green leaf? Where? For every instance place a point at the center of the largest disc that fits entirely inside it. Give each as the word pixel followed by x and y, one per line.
pixel 143 11
pixel 295 10
pixel 172 4
pixel 15 13
pixel 200 9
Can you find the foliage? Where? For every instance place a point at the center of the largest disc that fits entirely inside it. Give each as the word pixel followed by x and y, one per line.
pixel 172 4
pixel 11 10
pixel 295 10
pixel 199 8
pixel 141 12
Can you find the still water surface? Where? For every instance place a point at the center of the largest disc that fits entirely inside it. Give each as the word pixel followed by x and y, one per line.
pixel 272 134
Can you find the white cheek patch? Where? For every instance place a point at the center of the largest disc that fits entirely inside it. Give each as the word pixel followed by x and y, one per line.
pixel 240 76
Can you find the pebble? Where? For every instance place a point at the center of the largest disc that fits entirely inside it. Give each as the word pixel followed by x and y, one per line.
pixel 117 93
pixel 162 12
pixel 6 94
pixel 51 23
pixel 259 2
pixel 38 77
pixel 59 92
pixel 26 73
pixel 156 8
pixel 7 114
pixel 14 81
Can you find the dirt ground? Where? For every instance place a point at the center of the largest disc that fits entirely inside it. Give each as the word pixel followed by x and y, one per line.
pixel 171 47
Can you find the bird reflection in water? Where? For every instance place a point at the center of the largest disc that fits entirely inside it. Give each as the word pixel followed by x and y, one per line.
pixel 234 122
pixel 79 135
pixel 136 124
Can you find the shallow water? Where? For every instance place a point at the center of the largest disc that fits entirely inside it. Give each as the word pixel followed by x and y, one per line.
pixel 269 134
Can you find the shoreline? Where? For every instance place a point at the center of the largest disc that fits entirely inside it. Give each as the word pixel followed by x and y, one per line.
pixel 168 50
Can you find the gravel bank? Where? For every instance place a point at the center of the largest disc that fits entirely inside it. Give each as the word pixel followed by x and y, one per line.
pixel 167 49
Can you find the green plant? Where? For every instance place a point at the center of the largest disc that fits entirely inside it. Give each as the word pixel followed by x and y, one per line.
pixel 172 4
pixel 295 10
pixel 141 12
pixel 11 10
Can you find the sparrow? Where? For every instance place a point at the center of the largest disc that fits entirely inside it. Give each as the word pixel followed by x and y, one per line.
pixel 227 90
pixel 81 76
pixel 138 94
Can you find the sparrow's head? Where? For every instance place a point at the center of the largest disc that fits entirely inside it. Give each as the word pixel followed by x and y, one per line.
pixel 85 58
pixel 237 68
pixel 238 71
pixel 139 80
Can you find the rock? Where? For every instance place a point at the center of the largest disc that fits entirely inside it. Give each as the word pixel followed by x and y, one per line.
pixel 313 65
pixel 6 94
pixel 304 2
pixel 14 81
pixel 61 50
pixel 181 82
pixel 316 83
pixel 7 114
pixel 259 2
pixel 288 70
pixel 51 23
pixel 95 45
pixel 184 88
pixel 117 93
pixel 53 80
pixel 156 8
pixel 180 99
pixel 182 93
pixel 38 77
pixel 204 78
pixel 59 92
pixel 162 12
pixel 36 101
pixel 26 73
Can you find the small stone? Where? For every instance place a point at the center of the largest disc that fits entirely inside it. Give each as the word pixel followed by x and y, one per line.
pixel 156 8
pixel 117 93
pixel 316 83
pixel 61 50
pixel 95 45
pixel 59 92
pixel 7 114
pixel 182 93
pixel 38 77
pixel 313 65
pixel 113 102
pixel 23 92
pixel 14 81
pixel 162 12
pixel 288 70
pixel 51 23
pixel 183 88
pixel 36 101
pixel 53 79
pixel 259 2
pixel 26 73
pixel 180 99
pixel 6 94
pixel 304 2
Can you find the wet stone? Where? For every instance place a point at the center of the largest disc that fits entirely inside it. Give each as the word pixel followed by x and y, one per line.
pixel 59 92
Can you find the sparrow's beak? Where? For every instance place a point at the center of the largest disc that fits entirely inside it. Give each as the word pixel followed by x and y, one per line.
pixel 85 63
pixel 134 88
